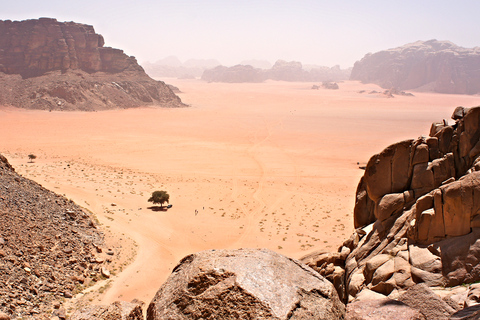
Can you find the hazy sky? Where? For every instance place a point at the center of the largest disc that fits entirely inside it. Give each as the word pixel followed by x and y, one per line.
pixel 313 32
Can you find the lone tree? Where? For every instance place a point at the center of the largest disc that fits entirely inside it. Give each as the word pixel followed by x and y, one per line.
pixel 159 197
pixel 32 157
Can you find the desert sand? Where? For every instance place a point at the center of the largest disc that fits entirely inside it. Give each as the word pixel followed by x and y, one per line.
pixel 271 165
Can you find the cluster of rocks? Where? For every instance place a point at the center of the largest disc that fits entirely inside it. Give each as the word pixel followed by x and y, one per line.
pixel 417 216
pixel 281 70
pixel 438 66
pixel 51 65
pixel 49 247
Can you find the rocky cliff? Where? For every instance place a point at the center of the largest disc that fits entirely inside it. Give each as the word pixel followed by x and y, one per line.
pixel 438 66
pixel 46 64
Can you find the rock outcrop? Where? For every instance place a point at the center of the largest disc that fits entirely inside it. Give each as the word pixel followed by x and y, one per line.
pixel 244 284
pixel 46 64
pixel 417 215
pixel 438 66
pixel 48 246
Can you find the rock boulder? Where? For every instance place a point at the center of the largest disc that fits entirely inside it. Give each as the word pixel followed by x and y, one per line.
pixel 244 284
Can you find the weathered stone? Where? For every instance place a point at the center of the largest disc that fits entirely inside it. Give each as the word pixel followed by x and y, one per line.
pixel 384 309
pixel 429 278
pixel 422 177
pixel 443 169
pixel 434 152
pixel 363 213
pixel 458 205
pixel 461 258
pixel 401 166
pixel 389 204
pixel 383 272
pixel 230 284
pixel 469 313
pixel 402 273
pixel 458 113
pixel 424 259
pixel 421 154
pixel 373 264
pixel 367 294
pixel 119 310
pixel 423 299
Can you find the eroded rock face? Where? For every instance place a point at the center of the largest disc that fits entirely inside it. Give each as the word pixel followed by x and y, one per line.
pixel 51 65
pixel 33 47
pixel 244 284
pixel 438 66
pixel 417 215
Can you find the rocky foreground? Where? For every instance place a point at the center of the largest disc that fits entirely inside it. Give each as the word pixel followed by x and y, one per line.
pixel 51 65
pixel 49 247
pixel 437 66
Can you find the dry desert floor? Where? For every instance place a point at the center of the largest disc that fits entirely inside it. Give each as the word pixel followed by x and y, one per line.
pixel 270 165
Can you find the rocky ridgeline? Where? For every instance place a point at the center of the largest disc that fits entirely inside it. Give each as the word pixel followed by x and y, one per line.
pixel 438 66
pixel 46 64
pixel 49 247
pixel 281 70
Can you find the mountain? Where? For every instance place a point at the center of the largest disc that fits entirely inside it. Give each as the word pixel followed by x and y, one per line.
pixel 46 64
pixel 438 66
pixel 281 70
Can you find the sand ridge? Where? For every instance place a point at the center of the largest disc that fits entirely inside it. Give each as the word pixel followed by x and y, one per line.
pixel 269 165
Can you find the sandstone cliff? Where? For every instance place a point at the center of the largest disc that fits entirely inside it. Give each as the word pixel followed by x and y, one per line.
pixel 46 64
pixel 438 66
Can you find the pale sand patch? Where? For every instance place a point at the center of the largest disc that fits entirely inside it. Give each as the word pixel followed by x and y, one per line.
pixel 269 165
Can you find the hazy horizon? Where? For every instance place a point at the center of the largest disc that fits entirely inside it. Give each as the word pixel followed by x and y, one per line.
pixel 313 32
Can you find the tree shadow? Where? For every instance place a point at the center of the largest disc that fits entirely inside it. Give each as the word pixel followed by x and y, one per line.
pixel 156 208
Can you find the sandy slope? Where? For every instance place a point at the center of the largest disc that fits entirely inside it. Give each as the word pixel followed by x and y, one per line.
pixel 265 165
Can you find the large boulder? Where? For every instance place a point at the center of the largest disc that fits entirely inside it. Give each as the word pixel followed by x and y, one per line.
pixel 244 284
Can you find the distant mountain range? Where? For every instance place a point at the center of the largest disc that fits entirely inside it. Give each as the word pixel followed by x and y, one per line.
pixel 246 71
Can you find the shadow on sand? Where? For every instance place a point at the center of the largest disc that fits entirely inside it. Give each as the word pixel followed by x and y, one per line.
pixel 156 208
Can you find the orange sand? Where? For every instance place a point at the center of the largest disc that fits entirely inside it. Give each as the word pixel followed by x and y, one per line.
pixel 266 165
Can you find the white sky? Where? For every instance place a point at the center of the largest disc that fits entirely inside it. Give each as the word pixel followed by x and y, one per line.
pixel 310 31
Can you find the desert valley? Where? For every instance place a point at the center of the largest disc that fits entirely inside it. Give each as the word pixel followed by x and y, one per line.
pixel 289 198
pixel 271 165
